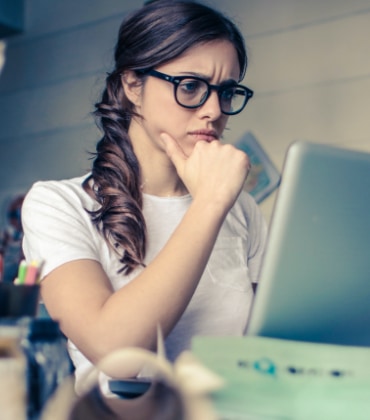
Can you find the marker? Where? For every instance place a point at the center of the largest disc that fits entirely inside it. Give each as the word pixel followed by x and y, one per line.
pixel 32 272
pixel 22 269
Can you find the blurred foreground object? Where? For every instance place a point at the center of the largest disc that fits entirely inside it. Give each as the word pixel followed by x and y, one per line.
pixel 179 391
pixel 12 374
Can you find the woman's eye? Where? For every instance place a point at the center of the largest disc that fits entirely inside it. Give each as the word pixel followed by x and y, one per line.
pixel 228 94
pixel 190 86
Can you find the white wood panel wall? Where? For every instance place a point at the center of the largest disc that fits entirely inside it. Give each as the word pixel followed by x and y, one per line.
pixel 309 67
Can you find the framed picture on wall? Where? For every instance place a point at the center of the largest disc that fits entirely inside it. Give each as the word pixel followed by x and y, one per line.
pixel 263 178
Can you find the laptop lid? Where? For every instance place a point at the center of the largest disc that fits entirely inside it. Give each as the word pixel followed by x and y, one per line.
pixel 315 279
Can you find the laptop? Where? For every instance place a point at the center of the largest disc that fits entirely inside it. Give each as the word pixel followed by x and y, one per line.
pixel 315 278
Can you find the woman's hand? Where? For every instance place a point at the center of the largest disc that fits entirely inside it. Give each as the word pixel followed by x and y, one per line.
pixel 214 172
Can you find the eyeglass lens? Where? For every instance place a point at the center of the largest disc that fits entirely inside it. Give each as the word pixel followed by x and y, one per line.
pixel 194 92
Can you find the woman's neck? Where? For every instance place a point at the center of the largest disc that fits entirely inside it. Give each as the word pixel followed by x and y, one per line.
pixel 158 175
pixel 161 179
pixel 149 186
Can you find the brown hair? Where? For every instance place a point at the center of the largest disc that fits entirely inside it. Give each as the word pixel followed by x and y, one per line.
pixel 155 34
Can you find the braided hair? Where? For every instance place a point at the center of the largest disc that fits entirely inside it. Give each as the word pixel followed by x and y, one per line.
pixel 158 32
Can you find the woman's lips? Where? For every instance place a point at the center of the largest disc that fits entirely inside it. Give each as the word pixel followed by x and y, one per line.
pixel 205 135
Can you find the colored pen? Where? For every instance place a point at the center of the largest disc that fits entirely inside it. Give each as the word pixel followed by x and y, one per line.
pixel 22 269
pixel 32 273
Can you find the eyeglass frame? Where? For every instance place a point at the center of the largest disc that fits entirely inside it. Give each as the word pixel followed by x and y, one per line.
pixel 176 80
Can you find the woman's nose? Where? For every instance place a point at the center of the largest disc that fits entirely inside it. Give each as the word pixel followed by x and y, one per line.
pixel 211 107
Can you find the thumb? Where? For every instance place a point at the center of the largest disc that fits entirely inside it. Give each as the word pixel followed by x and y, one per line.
pixel 173 150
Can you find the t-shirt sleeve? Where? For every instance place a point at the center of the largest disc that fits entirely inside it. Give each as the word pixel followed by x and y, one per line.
pixel 57 228
pixel 257 232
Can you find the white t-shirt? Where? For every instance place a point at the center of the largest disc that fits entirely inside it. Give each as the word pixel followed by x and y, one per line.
pixel 58 229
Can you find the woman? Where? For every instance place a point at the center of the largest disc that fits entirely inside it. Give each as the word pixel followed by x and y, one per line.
pixel 160 232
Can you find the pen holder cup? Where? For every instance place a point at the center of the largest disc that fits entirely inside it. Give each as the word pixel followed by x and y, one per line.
pixel 18 300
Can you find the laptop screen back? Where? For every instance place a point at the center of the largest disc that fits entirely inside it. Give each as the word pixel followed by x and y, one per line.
pixel 315 280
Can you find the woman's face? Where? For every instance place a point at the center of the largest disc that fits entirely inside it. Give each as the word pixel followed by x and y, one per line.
pixel 216 62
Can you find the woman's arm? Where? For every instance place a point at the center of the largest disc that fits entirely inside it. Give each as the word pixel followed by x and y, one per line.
pixel 99 320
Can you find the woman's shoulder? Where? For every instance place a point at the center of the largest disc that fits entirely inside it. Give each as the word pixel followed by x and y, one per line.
pixel 62 199
pixel 62 185
pixel 66 189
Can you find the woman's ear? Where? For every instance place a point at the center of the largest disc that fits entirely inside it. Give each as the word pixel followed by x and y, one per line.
pixel 132 87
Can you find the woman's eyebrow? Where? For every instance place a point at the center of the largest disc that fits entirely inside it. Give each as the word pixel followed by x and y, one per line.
pixel 207 78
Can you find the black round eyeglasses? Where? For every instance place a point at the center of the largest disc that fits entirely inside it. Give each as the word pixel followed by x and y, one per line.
pixel 192 92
